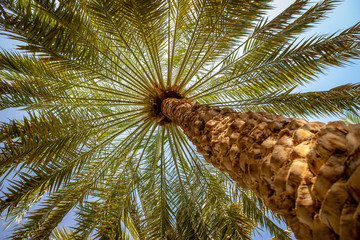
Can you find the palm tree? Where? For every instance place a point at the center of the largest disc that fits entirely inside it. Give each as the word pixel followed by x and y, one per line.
pixel 115 88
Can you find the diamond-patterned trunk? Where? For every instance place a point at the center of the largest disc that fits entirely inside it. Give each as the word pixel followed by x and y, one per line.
pixel 308 172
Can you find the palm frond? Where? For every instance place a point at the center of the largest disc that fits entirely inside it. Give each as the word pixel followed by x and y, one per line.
pixel 310 104
pixel 351 117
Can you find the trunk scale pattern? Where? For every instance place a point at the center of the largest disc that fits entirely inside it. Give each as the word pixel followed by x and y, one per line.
pixel 308 172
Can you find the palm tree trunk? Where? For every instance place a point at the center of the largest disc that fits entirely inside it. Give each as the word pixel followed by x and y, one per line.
pixel 305 171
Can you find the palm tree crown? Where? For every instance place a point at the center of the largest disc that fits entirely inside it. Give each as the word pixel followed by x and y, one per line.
pixel 92 76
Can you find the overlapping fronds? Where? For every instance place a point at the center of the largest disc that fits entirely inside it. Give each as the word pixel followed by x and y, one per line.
pixel 92 73
pixel 323 103
pixel 351 117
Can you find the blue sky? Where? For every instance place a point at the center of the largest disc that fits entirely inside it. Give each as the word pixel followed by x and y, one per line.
pixel 344 16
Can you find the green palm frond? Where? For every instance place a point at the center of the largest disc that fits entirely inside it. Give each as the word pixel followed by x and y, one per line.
pixel 61 234
pixel 323 103
pixel 351 117
pixel 91 76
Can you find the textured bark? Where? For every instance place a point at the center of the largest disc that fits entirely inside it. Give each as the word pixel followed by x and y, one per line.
pixel 308 172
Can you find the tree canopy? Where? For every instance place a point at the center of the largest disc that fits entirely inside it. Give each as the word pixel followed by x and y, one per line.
pixel 92 75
